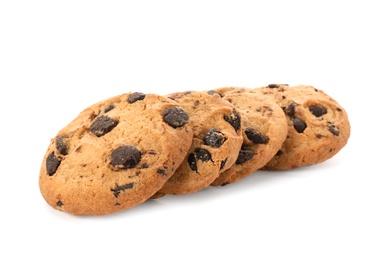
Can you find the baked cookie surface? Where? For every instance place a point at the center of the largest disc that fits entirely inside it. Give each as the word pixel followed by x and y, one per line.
pixel 217 139
pixel 318 126
pixel 264 129
pixel 115 154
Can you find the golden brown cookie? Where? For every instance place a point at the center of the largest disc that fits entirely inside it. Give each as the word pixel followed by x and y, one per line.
pixel 264 129
pixel 217 139
pixel 318 126
pixel 115 154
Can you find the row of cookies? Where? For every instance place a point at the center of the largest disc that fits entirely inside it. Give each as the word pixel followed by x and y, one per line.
pixel 127 149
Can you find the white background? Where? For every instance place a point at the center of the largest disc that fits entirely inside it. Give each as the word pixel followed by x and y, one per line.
pixel 57 57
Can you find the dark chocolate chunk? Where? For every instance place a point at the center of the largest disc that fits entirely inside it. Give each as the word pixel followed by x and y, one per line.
pixel 125 157
pixel 334 130
pixel 136 96
pixel 256 137
pixel 52 164
pixel 175 117
pixel 234 119
pixel 214 138
pixel 61 145
pixel 198 154
pixel 109 108
pixel 213 92
pixel 244 156
pixel 317 110
pixel 59 203
pixel 118 189
pixel 290 109
pixel 102 125
pixel 299 125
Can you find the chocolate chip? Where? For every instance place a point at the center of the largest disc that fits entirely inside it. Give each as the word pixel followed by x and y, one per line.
pixel 213 92
pixel 175 117
pixel 52 164
pixel 279 153
pixel 161 171
pixel 317 110
pixel 276 85
pixel 118 189
pixel 136 96
pixel 102 125
pixel 334 130
pixel 244 156
pixel 78 149
pixel 234 119
pixel 109 108
pixel 223 163
pixel 198 154
pixel 290 109
pixel 144 166
pixel 256 137
pixel 203 154
pixel 171 97
pixel 61 145
pixel 214 138
pixel 59 203
pixel 299 125
pixel 125 157
pixel 192 162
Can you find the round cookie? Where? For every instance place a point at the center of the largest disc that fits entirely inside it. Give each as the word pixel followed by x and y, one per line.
pixel 264 129
pixel 217 139
pixel 318 126
pixel 115 154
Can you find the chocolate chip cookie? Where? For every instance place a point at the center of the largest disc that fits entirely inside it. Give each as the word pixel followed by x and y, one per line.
pixel 217 139
pixel 264 128
pixel 115 154
pixel 318 126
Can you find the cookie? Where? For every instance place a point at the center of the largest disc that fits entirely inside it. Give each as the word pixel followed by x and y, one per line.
pixel 217 139
pixel 318 126
pixel 115 154
pixel 264 129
